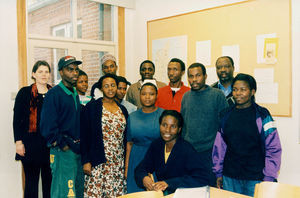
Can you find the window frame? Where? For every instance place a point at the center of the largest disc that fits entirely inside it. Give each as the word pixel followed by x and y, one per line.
pixel 27 42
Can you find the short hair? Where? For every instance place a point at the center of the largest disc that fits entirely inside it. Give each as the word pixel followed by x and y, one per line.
pixel 248 79
pixel 194 65
pixel 177 60
pixel 230 59
pixel 81 73
pixel 39 63
pixel 149 84
pixel 123 79
pixel 173 113
pixel 100 82
pixel 147 61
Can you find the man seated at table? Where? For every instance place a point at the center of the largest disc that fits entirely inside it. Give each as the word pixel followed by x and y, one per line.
pixel 173 160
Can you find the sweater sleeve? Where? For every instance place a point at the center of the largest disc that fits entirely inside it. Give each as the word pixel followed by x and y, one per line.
pixel 20 114
pixel 183 113
pixel 49 121
pixel 273 150
pixel 223 104
pixel 146 166
pixel 218 154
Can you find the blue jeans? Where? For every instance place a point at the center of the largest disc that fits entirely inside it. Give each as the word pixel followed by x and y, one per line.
pixel 67 174
pixel 245 187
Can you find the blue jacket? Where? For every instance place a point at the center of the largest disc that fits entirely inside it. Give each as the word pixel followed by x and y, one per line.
pixel 91 145
pixel 60 117
pixel 271 146
pixel 183 169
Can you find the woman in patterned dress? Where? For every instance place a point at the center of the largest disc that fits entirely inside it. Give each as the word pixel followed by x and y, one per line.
pixel 103 142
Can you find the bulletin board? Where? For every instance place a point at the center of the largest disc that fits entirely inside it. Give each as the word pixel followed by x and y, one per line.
pixel 248 27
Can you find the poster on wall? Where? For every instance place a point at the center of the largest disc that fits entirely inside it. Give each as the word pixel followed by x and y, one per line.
pixel 271 50
pixel 262 41
pixel 163 50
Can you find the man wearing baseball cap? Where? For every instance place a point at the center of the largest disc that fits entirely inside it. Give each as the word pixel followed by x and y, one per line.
pixel 109 66
pixel 60 125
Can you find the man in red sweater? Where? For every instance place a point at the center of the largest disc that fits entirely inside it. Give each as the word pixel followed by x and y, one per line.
pixel 169 97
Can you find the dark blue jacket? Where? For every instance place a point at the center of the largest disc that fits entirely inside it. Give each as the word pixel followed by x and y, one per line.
pixel 60 117
pixel 91 145
pixel 183 169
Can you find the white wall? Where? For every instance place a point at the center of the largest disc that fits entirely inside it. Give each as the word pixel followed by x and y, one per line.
pixel 136 52
pixel 10 170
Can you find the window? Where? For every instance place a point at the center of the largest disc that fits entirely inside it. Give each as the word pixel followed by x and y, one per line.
pixel 51 34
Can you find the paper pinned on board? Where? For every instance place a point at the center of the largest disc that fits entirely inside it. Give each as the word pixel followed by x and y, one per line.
pixel 264 75
pixel 163 50
pixel 260 46
pixel 234 52
pixel 267 93
pixel 203 52
pixel 211 75
pixel 271 50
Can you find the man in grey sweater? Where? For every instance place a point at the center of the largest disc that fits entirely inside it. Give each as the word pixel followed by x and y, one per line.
pixel 200 108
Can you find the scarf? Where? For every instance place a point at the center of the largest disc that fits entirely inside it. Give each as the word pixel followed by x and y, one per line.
pixel 34 101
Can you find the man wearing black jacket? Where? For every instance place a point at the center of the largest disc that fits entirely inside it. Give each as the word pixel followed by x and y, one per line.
pixel 224 69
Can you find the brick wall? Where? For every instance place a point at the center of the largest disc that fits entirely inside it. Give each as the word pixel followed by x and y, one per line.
pixel 43 20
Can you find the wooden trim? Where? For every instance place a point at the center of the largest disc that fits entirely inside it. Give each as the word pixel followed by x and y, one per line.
pixel 22 53
pixel 121 40
pixel 22 44
pixel 291 64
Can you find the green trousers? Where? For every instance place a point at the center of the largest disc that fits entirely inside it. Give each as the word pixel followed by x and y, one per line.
pixel 67 174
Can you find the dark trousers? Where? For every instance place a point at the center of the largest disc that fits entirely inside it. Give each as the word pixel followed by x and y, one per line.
pixel 206 158
pixel 32 172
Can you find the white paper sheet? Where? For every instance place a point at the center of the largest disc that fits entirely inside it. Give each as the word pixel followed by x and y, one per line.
pixel 267 93
pixel 234 52
pixel 260 44
pixel 264 75
pixel 211 75
pixel 163 50
pixel 202 192
pixel 203 52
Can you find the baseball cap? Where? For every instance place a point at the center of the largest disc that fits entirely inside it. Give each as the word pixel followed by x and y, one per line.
pixel 67 60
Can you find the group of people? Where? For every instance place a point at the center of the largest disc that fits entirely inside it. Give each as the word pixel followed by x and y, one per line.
pixel 161 137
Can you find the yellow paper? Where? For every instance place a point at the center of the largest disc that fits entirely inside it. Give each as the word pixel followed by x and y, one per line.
pixel 271 50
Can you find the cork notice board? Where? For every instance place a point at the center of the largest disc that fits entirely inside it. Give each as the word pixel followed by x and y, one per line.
pixel 253 28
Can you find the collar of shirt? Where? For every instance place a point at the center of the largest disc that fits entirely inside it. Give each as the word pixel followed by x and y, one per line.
pixel 175 89
pixel 68 92
pixel 227 90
